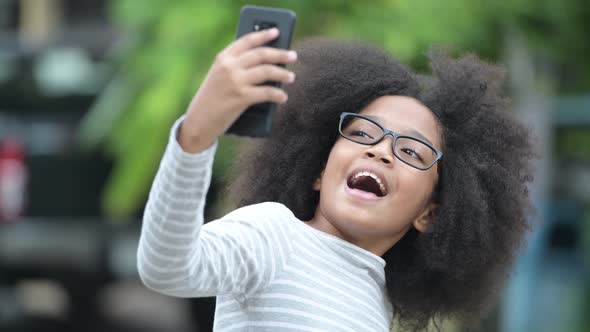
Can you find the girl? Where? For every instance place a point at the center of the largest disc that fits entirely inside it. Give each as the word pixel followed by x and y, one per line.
pixel 380 194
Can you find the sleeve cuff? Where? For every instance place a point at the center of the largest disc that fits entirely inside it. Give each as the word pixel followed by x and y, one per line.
pixel 187 157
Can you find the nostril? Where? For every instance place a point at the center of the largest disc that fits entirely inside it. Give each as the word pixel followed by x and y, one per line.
pixel 385 160
pixel 370 154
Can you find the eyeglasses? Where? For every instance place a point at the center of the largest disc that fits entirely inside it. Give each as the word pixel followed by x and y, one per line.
pixel 408 149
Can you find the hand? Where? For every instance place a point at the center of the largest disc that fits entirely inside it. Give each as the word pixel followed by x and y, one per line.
pixel 232 85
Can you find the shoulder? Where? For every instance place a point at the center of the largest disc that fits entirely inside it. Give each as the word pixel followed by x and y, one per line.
pixel 268 220
pixel 260 212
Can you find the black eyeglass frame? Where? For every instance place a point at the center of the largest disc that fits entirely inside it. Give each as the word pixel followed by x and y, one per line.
pixel 392 134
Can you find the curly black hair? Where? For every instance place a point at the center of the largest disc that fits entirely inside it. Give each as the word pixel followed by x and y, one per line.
pixel 456 269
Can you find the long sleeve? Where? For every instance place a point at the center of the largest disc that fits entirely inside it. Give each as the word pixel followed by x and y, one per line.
pixel 238 254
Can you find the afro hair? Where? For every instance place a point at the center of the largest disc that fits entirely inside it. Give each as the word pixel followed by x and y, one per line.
pixel 456 269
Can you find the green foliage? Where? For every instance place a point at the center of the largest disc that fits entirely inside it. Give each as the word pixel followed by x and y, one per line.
pixel 171 44
pixel 571 144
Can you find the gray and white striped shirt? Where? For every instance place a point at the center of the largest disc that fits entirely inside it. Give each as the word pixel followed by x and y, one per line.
pixel 269 270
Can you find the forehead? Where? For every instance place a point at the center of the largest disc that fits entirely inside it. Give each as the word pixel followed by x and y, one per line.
pixel 405 115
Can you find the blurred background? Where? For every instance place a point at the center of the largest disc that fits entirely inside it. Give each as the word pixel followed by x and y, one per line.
pixel 90 88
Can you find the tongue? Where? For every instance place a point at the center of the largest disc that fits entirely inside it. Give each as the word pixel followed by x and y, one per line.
pixel 364 194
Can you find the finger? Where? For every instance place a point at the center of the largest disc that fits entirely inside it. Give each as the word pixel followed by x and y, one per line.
pixel 265 93
pixel 263 73
pixel 261 55
pixel 251 40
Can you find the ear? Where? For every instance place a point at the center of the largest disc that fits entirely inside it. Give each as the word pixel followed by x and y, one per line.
pixel 317 184
pixel 425 220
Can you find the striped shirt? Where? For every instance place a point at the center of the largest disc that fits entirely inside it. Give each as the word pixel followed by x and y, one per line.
pixel 269 270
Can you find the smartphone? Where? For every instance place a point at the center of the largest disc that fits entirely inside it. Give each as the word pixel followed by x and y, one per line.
pixel 256 121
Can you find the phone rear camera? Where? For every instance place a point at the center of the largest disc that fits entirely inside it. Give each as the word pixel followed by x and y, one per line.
pixel 263 25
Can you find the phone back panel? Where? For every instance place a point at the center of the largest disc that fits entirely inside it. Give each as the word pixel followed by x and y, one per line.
pixel 256 121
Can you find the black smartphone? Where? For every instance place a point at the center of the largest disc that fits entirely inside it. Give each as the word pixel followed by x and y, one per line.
pixel 256 121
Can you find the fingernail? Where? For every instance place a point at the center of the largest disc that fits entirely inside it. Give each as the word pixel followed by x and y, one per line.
pixel 273 31
pixel 292 55
pixel 291 77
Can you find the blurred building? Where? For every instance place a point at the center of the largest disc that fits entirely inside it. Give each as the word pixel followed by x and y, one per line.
pixel 62 266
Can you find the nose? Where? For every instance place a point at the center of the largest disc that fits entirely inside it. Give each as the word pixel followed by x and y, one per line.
pixel 382 151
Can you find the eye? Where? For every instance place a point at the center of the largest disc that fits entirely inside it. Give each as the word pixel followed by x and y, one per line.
pixel 360 133
pixel 411 153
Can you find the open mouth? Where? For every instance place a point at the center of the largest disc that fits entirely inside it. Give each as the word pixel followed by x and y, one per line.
pixel 368 182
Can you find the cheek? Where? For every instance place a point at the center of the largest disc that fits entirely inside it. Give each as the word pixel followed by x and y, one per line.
pixel 337 164
pixel 415 189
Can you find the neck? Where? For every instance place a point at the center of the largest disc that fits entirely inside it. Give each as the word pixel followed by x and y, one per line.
pixel 375 245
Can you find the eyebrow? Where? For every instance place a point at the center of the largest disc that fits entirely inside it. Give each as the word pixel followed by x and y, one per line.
pixel 410 131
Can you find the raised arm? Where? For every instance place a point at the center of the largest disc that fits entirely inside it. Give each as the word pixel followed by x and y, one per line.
pixel 179 256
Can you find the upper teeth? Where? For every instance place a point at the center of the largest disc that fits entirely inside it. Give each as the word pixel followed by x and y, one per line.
pixel 374 176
